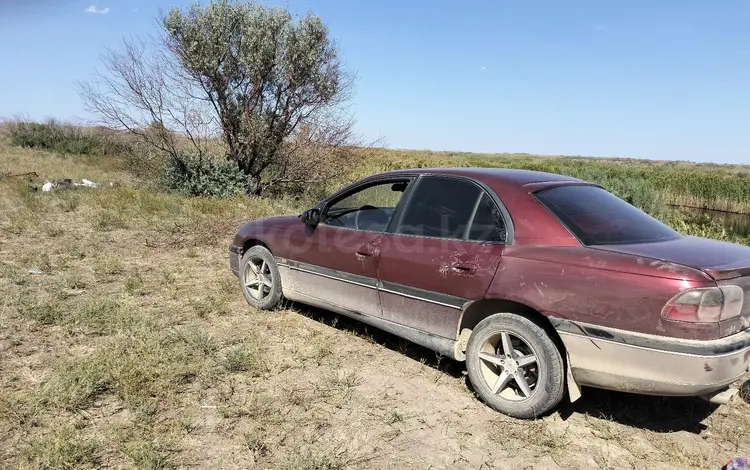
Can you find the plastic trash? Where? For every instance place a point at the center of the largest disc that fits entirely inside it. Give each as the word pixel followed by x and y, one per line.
pixel 68 183
pixel 738 464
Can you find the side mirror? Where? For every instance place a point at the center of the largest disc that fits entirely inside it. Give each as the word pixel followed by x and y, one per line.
pixel 311 217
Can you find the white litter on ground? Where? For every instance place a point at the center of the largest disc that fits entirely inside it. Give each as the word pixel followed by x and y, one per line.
pixel 68 183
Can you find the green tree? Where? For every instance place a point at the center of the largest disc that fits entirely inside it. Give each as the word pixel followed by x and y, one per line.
pixel 272 86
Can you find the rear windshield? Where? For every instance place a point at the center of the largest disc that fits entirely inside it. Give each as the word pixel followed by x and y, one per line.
pixel 598 217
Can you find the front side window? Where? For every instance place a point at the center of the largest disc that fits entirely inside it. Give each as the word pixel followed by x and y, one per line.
pixel 369 209
pixel 598 217
pixel 452 208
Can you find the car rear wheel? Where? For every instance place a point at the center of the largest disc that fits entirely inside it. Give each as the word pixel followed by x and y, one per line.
pixel 514 366
pixel 260 279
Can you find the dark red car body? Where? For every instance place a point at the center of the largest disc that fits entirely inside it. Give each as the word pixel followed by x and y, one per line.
pixel 604 302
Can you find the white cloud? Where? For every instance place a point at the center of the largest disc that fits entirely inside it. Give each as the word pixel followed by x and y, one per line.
pixel 134 10
pixel 99 11
pixel 483 68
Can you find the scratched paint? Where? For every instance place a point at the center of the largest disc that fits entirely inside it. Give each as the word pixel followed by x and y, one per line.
pixel 596 292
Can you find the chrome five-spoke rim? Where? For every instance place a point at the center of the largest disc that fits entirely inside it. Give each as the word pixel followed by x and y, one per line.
pixel 509 366
pixel 258 278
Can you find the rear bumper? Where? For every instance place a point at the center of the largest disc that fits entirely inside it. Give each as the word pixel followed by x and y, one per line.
pixel 235 253
pixel 654 365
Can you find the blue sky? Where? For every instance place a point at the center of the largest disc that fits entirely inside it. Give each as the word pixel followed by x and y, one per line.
pixel 666 79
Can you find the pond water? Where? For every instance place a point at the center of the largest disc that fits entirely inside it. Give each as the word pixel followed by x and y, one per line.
pixel 735 223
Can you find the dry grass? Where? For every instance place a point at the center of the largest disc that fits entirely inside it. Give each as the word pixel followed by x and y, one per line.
pixel 126 343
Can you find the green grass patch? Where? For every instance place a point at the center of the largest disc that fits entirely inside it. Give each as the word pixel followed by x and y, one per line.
pixel 244 359
pixel 65 449
pixel 151 455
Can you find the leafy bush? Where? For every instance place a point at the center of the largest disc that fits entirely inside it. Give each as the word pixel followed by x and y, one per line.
pixel 64 138
pixel 208 176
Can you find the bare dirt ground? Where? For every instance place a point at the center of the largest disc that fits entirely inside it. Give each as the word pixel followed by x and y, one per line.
pixel 125 342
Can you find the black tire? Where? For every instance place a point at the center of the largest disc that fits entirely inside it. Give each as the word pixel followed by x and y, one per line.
pixel 271 295
pixel 545 377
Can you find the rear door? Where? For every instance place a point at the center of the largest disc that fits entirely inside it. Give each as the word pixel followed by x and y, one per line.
pixel 336 261
pixel 443 251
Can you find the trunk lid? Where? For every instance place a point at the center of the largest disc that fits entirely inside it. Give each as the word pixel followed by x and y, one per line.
pixel 726 263
pixel 720 260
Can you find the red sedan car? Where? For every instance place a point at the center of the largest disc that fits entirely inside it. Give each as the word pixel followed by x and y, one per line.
pixel 541 283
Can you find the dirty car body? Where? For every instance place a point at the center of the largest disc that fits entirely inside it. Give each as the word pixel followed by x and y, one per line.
pixel 430 254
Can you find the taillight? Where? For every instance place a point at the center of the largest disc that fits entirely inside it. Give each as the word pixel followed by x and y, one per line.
pixel 705 305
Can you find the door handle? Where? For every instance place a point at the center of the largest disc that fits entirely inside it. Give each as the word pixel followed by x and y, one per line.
pixel 363 253
pixel 464 268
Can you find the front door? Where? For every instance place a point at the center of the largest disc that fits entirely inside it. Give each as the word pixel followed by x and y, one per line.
pixel 337 260
pixel 444 252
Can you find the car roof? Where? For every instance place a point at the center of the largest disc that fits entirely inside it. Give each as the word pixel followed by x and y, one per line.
pixel 492 176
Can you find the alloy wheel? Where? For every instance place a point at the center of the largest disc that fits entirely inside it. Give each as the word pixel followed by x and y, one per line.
pixel 258 278
pixel 509 366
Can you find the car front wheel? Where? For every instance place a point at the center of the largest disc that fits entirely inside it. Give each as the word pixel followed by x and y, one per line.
pixel 259 278
pixel 514 366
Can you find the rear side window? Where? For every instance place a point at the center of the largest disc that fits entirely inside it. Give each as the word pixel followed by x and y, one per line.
pixel 598 217
pixel 452 208
pixel 488 224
